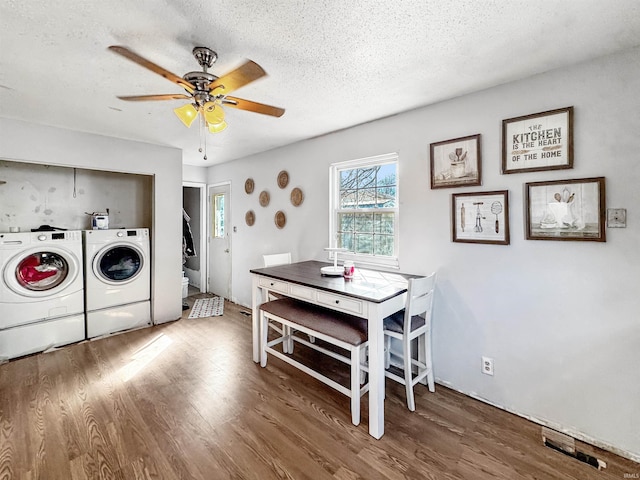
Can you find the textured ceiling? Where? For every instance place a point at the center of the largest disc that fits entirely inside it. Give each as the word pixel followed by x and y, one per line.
pixel 331 64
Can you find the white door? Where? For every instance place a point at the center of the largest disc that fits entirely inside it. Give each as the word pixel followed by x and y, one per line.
pixel 219 241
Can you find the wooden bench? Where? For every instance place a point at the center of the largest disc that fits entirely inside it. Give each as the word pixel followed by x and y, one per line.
pixel 340 329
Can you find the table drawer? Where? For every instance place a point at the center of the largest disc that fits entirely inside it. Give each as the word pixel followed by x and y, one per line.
pixel 303 293
pixel 274 285
pixel 339 302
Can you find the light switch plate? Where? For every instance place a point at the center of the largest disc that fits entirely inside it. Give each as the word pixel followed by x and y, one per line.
pixel 616 217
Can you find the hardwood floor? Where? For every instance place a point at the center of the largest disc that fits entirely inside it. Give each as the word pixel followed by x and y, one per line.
pixel 184 400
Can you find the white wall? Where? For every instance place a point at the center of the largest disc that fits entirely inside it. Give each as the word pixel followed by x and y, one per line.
pixel 25 142
pixel 191 173
pixel 560 319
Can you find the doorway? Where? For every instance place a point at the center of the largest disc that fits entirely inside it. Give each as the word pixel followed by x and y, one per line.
pixel 220 239
pixel 195 207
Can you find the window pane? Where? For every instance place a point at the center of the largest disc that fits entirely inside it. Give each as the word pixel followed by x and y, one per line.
pixel 386 197
pixel 348 179
pixel 346 222
pixel 367 198
pixel 367 177
pixel 387 174
pixel 383 223
pixel 383 245
pixel 364 222
pixel 348 198
pixel 345 240
pixel 364 244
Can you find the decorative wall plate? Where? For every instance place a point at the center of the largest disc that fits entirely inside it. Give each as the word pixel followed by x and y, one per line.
pixel 248 185
pixel 280 218
pixel 250 218
pixel 283 179
pixel 297 197
pixel 264 198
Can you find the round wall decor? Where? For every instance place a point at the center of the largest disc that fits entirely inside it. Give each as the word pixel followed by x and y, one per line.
pixel 297 197
pixel 280 219
pixel 250 218
pixel 283 179
pixel 248 185
pixel 264 198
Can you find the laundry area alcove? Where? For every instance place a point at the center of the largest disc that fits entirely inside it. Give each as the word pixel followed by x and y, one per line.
pixel 67 274
pixel 33 194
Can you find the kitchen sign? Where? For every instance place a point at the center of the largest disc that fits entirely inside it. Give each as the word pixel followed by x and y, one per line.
pixel 541 141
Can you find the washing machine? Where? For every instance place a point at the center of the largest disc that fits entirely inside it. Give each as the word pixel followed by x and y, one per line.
pixel 117 280
pixel 42 294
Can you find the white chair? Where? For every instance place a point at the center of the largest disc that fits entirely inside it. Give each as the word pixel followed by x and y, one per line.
pixel 413 322
pixel 276 259
pixel 273 260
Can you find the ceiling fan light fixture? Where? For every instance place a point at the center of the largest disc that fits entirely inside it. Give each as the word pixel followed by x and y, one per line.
pixel 186 113
pixel 216 127
pixel 213 113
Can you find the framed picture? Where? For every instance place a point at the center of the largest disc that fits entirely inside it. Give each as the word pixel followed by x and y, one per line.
pixel 566 210
pixel 480 217
pixel 456 163
pixel 541 141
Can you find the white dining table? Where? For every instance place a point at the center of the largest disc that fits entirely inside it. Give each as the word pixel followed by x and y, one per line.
pixel 370 294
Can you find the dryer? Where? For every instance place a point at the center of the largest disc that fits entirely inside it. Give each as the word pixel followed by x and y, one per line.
pixel 42 296
pixel 117 280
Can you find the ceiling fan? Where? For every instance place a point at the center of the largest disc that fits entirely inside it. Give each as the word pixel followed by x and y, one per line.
pixel 207 93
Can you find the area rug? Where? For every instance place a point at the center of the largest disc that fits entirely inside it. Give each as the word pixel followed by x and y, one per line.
pixel 207 307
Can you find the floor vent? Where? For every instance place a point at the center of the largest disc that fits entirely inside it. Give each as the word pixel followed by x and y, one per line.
pixel 567 445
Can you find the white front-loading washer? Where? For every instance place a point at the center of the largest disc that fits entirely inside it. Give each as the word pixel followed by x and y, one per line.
pixel 42 294
pixel 117 280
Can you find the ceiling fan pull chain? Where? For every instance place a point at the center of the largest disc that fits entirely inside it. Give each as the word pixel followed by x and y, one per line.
pixel 205 148
pixel 200 133
pixel 203 133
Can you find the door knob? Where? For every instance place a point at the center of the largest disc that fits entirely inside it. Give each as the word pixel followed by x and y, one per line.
pixel 226 250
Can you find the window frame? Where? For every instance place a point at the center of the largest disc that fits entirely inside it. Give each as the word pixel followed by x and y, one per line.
pixel 334 210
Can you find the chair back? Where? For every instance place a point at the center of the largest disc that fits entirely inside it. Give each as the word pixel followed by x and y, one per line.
pixel 419 299
pixel 276 259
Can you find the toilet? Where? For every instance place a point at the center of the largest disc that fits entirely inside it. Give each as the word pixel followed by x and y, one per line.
pixel 185 286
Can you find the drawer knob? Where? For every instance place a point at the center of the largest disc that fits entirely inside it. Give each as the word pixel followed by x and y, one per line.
pixel 272 284
pixel 337 301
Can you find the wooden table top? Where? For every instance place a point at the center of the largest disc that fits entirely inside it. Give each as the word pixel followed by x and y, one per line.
pixel 370 285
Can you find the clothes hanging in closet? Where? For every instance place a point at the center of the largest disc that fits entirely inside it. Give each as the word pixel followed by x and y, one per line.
pixel 188 250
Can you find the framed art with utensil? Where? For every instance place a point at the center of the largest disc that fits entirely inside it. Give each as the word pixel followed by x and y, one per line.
pixel 456 163
pixel 480 217
pixel 566 210
pixel 536 142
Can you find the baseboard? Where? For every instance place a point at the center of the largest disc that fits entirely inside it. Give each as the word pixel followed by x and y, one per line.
pixel 546 423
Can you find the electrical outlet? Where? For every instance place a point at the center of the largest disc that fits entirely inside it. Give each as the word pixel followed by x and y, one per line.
pixel 487 365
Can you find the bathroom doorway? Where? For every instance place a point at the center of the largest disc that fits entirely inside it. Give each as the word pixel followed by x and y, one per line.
pixel 195 235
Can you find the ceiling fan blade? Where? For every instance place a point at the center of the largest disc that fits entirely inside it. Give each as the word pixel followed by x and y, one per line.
pixel 252 106
pixel 134 57
pixel 237 78
pixel 145 98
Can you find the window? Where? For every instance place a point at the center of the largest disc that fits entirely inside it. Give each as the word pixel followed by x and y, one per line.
pixel 218 215
pixel 364 209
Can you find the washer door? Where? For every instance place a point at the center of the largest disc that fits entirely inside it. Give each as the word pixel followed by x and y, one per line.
pixel 118 264
pixel 41 272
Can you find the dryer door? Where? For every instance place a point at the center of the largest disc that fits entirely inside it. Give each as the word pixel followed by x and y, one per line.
pixel 41 273
pixel 118 264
